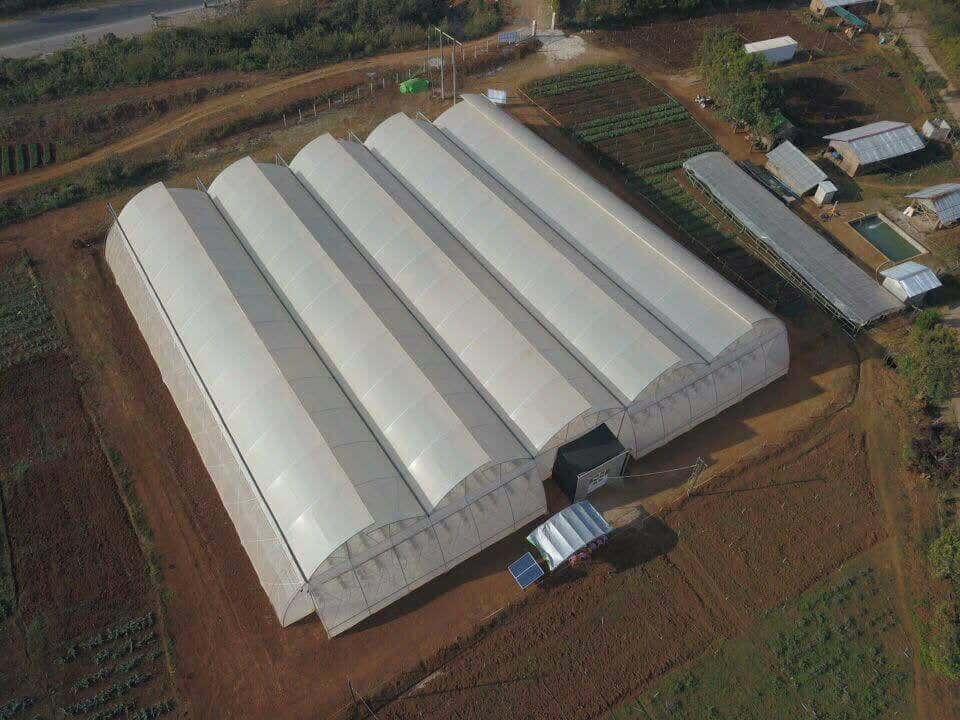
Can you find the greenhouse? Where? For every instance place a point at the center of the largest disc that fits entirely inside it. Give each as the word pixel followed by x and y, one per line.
pixel 380 350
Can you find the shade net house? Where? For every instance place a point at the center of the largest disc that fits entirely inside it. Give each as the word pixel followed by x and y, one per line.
pixel 382 350
pixel 939 204
pixel 864 148
pixel 790 246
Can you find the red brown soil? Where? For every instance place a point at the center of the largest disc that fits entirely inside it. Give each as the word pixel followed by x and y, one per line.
pixel 170 135
pixel 672 44
pixel 77 565
pixel 661 595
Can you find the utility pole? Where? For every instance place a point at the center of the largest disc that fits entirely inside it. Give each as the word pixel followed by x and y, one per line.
pixel 442 90
pixel 453 56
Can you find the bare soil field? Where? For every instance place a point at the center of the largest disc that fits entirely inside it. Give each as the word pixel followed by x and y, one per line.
pixel 668 590
pixel 836 94
pixel 80 579
pixel 793 494
pixel 672 44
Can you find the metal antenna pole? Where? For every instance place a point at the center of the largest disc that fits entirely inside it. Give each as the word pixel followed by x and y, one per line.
pixel 453 55
pixel 442 90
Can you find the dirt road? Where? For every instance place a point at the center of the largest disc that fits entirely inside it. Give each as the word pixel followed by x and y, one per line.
pixel 221 109
pixel 914 31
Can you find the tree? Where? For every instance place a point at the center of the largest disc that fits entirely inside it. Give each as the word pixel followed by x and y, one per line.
pixel 931 363
pixel 739 83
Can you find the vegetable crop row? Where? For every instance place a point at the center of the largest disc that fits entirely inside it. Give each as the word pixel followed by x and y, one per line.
pixel 667 118
pixel 620 117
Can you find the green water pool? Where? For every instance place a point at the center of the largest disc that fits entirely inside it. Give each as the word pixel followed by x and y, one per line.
pixel 884 237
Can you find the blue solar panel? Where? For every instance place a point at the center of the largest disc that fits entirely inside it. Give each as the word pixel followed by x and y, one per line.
pixel 526 571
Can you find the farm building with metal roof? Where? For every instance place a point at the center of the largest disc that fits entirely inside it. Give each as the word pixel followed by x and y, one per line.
pixel 910 281
pixel 380 349
pixel 941 203
pixel 865 147
pixel 794 169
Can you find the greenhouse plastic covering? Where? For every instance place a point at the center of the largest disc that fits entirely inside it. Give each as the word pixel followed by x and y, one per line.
pixel 530 393
pixel 379 350
pixel 835 277
pixel 570 530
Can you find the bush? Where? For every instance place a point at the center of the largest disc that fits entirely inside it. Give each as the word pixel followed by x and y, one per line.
pixel 931 364
pixel 295 36
pixel 109 176
pixel 941 644
pixel 944 555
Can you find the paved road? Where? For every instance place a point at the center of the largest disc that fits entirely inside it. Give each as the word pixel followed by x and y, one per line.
pixel 54 30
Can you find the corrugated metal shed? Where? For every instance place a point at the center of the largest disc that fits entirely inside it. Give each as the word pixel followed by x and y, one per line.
pixel 943 200
pixel 832 275
pixel 880 141
pixel 794 168
pixel 910 280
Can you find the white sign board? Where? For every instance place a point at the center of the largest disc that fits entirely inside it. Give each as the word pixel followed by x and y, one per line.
pixel 497 97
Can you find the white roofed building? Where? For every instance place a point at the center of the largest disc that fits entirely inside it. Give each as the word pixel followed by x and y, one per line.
pixel 380 349
pixel 775 50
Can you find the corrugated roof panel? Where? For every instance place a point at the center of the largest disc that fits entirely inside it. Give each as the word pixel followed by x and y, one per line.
pixel 796 170
pixel 880 141
pixel 844 285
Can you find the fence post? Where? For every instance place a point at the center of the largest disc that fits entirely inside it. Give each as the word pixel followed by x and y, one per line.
pixel 358 92
pixel 284 119
pixel 300 115
pixel 329 103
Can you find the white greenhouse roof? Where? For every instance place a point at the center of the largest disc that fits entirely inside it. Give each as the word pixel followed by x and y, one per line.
pixel 912 278
pixel 535 397
pixel 797 171
pixel 174 234
pixel 285 231
pixel 570 530
pixel 621 351
pixel 835 277
pixel 943 199
pixel 880 141
pixel 773 43
pixel 686 299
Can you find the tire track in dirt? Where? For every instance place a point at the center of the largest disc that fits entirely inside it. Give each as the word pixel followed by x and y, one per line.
pixel 244 102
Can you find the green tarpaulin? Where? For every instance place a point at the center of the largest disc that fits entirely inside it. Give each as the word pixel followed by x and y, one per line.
pixel 414 85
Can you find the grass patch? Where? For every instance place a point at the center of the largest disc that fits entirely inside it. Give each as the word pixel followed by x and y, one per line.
pixel 834 652
pixel 27 329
